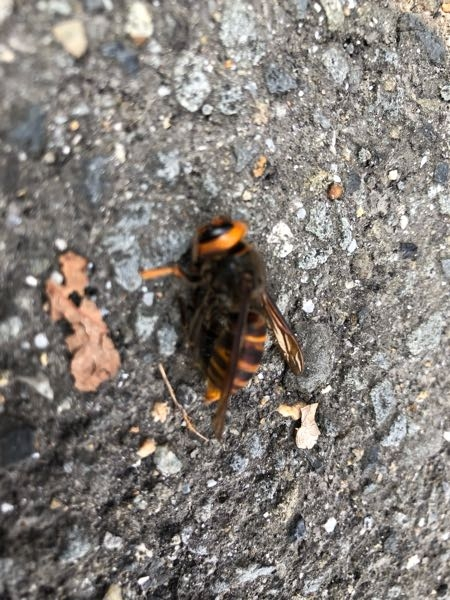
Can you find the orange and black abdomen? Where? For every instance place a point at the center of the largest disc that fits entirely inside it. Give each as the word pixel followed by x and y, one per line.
pixel 250 354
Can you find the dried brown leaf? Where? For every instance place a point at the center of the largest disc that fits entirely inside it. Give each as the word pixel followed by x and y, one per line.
pixel 308 433
pixel 94 357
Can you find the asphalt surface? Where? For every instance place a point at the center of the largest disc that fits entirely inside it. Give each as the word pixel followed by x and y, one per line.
pixel 118 138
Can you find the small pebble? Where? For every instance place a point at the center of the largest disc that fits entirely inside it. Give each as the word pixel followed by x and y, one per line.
pixel 330 525
pixel 445 92
pixel 72 36
pixel 404 222
pixel 211 483
pixel 352 246
pixel 441 173
pixel 393 175
pixel 41 341
pixel 6 10
pixel 191 82
pixel 413 561
pixel 166 461
pixel 112 542
pixel 408 250
pixel 6 507
pixel 7 56
pixel 148 298
pixel 139 24
pixel 308 306
pixel 278 81
pixel 298 531
pixel 60 245
pixel 114 592
pixel 207 109
pixel 31 281
pixel 335 191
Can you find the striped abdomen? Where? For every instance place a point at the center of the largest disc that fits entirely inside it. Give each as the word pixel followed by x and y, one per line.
pixel 251 350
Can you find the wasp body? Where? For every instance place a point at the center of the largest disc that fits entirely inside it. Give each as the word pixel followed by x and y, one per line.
pixel 231 310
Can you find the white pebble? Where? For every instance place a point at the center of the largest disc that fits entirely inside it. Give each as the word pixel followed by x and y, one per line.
pixel 424 160
pixel 148 298
pixel 352 246
pixel 163 91
pixel 393 175
pixel 308 306
pixel 31 281
pixel 41 341
pixel 143 580
pixel 330 525
pixel 446 436
pixel 413 561
pixel 120 153
pixel 404 221
pixel 270 145
pixel 60 245
pixel 301 213
pixel 6 507
pixel 211 483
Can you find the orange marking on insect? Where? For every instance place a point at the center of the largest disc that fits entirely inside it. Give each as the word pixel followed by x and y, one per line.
pixel 225 241
pixel 239 383
pixel 212 394
pixel 255 339
pixel 247 367
pixel 161 272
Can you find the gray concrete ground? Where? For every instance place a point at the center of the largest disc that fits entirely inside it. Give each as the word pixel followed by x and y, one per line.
pixel 119 154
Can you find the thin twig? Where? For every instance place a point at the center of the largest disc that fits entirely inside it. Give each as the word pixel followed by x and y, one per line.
pixel 186 417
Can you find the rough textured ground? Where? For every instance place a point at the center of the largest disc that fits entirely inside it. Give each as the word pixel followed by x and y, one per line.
pixel 120 154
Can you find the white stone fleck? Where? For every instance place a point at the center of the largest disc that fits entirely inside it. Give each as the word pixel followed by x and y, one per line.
pixel 6 507
pixel 139 24
pixel 148 298
pixel 446 436
pixel 60 244
pixel 352 246
pixel 143 580
pixel 393 175
pixel 413 561
pixel 41 341
pixel 308 306
pixel 120 154
pixel 330 525
pixel 404 222
pixel 31 281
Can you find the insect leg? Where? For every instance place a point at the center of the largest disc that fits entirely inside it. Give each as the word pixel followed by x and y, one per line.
pixel 165 271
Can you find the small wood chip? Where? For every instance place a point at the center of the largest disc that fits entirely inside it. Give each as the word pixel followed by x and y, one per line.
pixel 307 435
pixel 146 448
pixel 291 410
pixel 160 412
